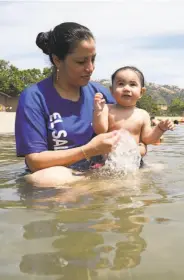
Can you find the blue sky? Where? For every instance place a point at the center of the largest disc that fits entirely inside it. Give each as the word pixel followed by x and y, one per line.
pixel 148 34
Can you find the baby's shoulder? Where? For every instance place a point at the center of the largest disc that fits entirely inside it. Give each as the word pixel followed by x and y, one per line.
pixel 142 115
pixel 142 112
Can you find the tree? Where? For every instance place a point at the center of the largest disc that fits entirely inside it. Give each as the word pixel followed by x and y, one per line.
pixel 13 80
pixel 146 102
pixel 176 107
pixel 47 71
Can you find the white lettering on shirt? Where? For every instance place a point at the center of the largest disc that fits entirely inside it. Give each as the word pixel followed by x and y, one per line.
pixel 58 134
pixel 55 118
pixel 59 143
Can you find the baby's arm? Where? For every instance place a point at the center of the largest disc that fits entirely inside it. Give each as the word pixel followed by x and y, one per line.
pixel 151 135
pixel 100 114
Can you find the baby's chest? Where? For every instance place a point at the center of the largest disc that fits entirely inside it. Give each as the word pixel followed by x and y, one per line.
pixel 132 124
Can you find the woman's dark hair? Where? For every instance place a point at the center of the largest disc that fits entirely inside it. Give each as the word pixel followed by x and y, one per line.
pixel 135 69
pixel 62 39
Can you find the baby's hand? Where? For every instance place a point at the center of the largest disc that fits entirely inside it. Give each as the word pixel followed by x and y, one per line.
pixel 99 102
pixel 166 125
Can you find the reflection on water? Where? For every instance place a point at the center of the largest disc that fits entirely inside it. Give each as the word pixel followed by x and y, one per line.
pixel 106 228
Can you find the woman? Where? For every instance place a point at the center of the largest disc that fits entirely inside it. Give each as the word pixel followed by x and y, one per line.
pixel 53 122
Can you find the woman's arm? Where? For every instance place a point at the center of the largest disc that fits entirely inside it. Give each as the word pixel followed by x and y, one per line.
pixel 101 144
pixel 45 159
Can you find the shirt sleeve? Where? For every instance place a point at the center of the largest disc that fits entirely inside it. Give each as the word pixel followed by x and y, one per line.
pixel 30 124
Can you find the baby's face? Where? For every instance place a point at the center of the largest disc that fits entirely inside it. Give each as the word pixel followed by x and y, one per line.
pixel 126 88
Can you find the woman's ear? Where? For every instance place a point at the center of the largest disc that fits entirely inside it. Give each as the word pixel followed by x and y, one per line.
pixel 110 87
pixel 56 60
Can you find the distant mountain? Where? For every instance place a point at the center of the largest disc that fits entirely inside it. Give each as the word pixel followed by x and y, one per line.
pixel 164 94
pixel 161 94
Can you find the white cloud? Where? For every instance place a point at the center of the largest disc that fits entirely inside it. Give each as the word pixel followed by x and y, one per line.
pixel 115 25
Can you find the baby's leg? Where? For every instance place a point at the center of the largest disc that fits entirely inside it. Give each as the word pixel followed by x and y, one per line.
pixel 56 176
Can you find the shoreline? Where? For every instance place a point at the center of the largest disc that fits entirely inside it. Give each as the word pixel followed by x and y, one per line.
pixel 180 119
pixel 7 121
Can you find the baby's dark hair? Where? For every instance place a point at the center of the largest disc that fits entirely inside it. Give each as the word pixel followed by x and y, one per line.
pixel 63 39
pixel 135 69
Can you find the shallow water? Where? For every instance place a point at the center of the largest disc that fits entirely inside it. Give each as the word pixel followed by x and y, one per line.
pixel 106 228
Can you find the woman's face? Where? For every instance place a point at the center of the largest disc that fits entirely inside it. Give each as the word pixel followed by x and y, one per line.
pixel 78 66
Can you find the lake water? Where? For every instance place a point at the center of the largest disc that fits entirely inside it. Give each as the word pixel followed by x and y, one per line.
pixel 103 228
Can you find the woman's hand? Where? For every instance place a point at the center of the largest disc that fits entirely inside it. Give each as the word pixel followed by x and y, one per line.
pixel 102 144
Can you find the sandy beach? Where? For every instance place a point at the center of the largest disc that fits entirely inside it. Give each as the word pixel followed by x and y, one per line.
pixel 7 122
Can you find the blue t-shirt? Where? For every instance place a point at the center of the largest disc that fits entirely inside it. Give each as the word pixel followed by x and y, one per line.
pixel 46 121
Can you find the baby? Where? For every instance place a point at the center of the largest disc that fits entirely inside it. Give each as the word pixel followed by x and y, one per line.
pixel 127 88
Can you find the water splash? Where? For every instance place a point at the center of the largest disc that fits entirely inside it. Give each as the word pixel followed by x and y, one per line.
pixel 124 159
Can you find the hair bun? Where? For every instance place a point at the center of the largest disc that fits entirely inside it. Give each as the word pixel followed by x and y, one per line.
pixel 42 41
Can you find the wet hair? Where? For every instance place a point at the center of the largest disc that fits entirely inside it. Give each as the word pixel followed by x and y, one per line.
pixel 135 69
pixel 63 39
